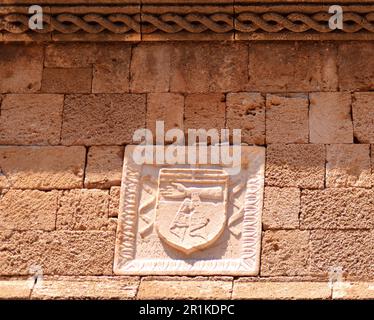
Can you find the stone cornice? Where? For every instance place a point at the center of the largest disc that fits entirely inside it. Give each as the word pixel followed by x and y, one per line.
pixel 114 20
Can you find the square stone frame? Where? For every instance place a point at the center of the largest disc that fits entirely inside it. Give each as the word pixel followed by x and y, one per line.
pixel 247 263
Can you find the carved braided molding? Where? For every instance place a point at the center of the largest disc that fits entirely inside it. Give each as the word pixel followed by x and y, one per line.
pixel 133 22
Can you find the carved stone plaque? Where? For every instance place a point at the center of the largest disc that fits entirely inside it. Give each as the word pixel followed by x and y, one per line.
pixel 190 219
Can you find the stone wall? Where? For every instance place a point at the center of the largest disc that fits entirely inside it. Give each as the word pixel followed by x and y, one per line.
pixel 68 110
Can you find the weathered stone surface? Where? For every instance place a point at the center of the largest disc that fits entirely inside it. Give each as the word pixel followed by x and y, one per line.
pixel 337 208
pixel 31 119
pixel 208 67
pixel 348 165
pixel 246 111
pixel 205 111
pixel 281 290
pixel 15 289
pixel 103 287
pixel 281 208
pixel 292 67
pixel 102 119
pixel 70 55
pixel 104 167
pixel 285 253
pixel 351 250
pixel 85 209
pixel 356 66
pixel 184 289
pixel 28 210
pixel 295 165
pixel 287 119
pixel 67 80
pixel 20 68
pixel 330 118
pixel 363 117
pixel 42 168
pixel 167 107
pixel 150 67
pixel 114 198
pixel 353 290
pixel 161 232
pixel 57 252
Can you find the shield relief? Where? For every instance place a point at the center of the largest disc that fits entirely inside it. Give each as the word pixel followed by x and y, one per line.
pixel 191 208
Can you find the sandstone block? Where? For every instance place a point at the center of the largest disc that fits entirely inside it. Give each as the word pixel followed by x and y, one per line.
pixel 31 119
pixel 102 119
pixel 104 167
pixel 351 250
pixel 292 67
pixel 356 66
pixel 15 289
pixel 205 111
pixel 363 116
pixel 304 290
pixel 42 168
pixel 246 111
pixel 330 118
pixel 295 165
pixel 353 290
pixel 71 80
pixel 333 208
pixel 57 252
pixel 21 68
pixel 167 107
pixel 184 289
pixel 28 210
pixel 285 253
pixel 114 198
pixel 208 67
pixel 281 208
pixel 348 165
pixel 83 210
pixel 287 119
pixel 90 287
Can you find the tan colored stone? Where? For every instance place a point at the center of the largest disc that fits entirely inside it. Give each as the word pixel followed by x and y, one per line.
pixel 353 290
pixel 281 208
pixel 295 165
pixel 246 111
pixel 330 118
pixel 28 210
pixel 363 116
pixel 114 199
pixel 42 168
pixel 86 288
pixel 150 67
pixel 333 208
pixel 351 250
pixel 104 167
pixel 208 67
pixel 287 119
pixel 63 80
pixel 348 165
pixel 184 289
pixel 57 252
pixel 285 253
pixel 356 66
pixel 21 68
pixel 15 289
pixel 281 290
pixel 31 119
pixel 85 209
pixel 102 119
pixel 292 67
pixel 70 55
pixel 167 107
pixel 204 111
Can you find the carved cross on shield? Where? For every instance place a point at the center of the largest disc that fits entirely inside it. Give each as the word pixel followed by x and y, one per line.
pixel 191 209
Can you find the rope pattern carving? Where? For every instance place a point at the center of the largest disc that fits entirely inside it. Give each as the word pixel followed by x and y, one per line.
pixel 170 23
